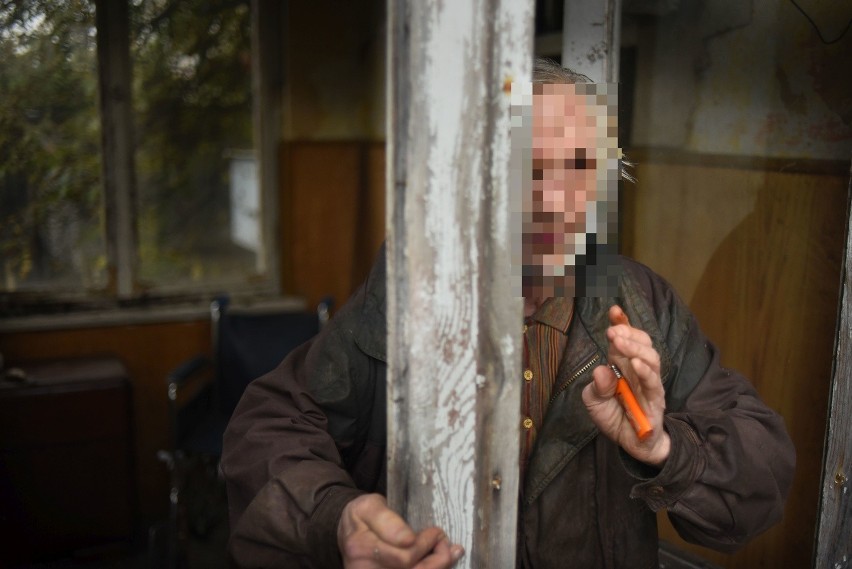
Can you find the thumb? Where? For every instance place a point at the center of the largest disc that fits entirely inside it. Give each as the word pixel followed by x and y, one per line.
pixel 603 383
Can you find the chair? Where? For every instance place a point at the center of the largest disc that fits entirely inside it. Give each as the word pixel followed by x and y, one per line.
pixel 248 341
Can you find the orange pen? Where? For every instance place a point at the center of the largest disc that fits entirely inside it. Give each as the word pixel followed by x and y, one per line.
pixel 625 395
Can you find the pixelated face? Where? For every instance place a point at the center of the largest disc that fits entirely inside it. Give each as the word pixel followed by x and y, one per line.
pixel 565 161
pixel 563 174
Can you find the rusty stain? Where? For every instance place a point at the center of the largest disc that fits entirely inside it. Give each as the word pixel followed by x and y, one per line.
pixel 840 479
pixel 451 398
pixel 596 52
pixel 453 417
pixel 507 85
pixel 774 127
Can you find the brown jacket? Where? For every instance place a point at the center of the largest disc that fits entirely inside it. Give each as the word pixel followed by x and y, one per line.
pixel 310 436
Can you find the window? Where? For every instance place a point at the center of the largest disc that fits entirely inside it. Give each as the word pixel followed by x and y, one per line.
pixel 50 162
pixel 99 199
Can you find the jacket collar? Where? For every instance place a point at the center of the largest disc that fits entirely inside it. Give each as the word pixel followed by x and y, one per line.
pixel 556 313
pixel 371 333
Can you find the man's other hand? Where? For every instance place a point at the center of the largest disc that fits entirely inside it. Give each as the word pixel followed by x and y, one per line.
pixel 371 535
pixel 630 349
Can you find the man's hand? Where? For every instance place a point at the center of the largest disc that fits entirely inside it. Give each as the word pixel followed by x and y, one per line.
pixel 371 535
pixel 630 349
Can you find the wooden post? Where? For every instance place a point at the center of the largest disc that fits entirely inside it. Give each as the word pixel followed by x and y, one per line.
pixel 591 38
pixel 114 63
pixel 267 23
pixel 833 548
pixel 454 326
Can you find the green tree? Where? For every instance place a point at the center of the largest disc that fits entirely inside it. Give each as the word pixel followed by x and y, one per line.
pixel 49 138
pixel 191 62
pixel 192 82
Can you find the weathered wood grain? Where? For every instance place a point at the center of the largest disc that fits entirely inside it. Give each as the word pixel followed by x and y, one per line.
pixel 454 327
pixel 834 530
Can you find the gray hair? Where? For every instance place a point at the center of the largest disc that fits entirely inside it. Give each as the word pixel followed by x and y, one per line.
pixel 548 71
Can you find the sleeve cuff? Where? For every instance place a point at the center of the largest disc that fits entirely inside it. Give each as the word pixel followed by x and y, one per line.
pixel 660 488
pixel 322 534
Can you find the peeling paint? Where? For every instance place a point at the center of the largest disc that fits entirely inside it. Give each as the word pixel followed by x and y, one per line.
pixel 455 214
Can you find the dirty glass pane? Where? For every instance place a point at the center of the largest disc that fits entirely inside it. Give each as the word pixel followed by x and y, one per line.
pixel 198 200
pixel 51 226
pixel 741 131
pixel 734 109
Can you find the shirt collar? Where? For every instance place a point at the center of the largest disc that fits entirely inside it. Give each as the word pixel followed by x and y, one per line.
pixel 556 313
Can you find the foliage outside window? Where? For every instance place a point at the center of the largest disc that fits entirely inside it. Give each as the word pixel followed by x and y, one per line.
pixel 196 193
pixel 50 162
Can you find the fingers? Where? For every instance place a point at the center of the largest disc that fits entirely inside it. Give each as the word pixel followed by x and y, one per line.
pixel 629 345
pixel 365 549
pixel 424 542
pixel 630 335
pixel 372 535
pixel 649 375
pixel 444 555
pixel 431 550
pixel 630 349
pixel 388 526
pixel 368 528
pixel 617 315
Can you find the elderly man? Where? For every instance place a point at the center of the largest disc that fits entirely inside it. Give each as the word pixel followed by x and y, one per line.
pixel 304 454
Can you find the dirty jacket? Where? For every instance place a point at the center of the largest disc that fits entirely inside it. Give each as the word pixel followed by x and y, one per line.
pixel 310 436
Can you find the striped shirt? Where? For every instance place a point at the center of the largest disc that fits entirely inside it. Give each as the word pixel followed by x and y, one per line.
pixel 545 339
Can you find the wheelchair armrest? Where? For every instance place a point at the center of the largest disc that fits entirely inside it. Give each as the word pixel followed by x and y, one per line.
pixel 181 374
pixel 324 310
pixel 188 389
pixel 178 378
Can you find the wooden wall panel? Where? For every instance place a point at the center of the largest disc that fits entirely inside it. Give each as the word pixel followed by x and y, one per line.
pixel 334 217
pixel 757 255
pixel 149 352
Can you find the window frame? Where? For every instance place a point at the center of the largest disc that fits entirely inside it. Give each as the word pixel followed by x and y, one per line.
pixel 123 289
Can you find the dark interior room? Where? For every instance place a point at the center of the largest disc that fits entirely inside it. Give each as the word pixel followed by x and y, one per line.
pixel 192 189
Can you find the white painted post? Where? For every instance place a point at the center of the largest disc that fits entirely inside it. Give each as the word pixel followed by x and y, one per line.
pixel 832 550
pixel 454 326
pixel 591 38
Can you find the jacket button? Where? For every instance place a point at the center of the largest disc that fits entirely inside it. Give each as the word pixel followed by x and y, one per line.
pixel 528 423
pixel 528 375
